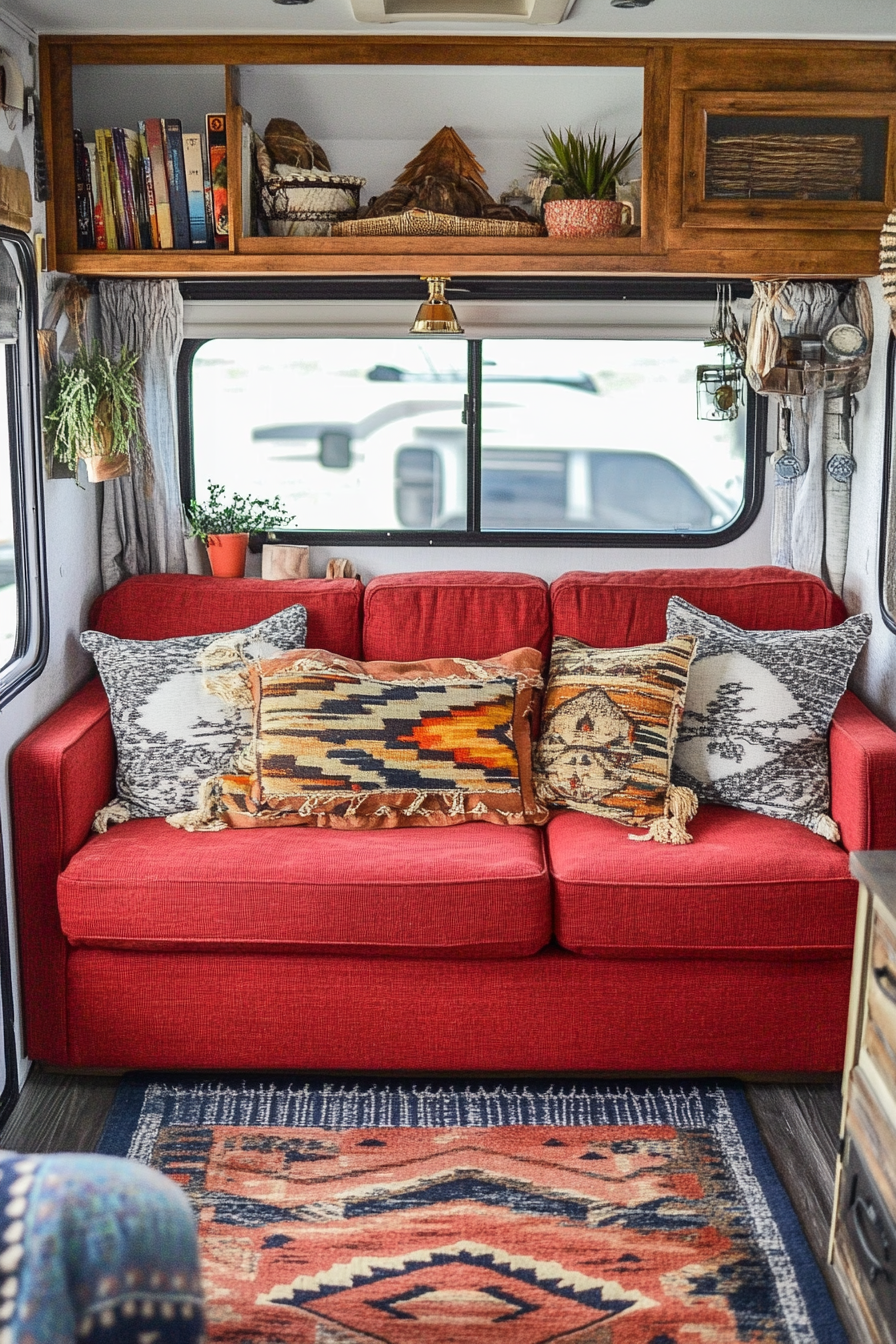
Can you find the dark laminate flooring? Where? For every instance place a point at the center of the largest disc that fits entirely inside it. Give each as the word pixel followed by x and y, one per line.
pixel 799 1123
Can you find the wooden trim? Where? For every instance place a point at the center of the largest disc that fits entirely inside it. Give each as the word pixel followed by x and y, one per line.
pixel 56 100
pixel 389 49
pixel 655 150
pixel 234 157
pixel 460 247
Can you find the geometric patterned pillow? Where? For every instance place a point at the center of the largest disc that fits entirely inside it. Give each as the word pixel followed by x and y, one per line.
pixel 608 733
pixel 758 710
pixel 368 746
pixel 170 733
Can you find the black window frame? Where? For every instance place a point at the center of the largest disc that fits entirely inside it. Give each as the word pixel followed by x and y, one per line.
pixel 467 288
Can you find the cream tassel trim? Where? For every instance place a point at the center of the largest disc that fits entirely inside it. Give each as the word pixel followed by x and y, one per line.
pixel 669 829
pixel 825 826
pixel 231 687
pixel 110 815
pixel 205 816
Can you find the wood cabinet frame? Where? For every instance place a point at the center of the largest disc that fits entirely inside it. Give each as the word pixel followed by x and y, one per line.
pixel 679 234
pixel 745 213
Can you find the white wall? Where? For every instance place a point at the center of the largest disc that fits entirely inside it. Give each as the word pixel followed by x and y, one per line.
pixel 72 527
pixel 875 676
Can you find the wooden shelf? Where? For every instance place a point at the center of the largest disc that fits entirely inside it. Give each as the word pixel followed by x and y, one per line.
pixel 736 238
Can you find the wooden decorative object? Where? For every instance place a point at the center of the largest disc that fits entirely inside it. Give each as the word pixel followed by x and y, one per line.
pixel 863 1233
pixel 785 167
pixel 341 569
pixel 15 199
pixel 284 562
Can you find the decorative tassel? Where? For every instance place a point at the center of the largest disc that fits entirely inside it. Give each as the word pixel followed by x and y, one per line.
pixel 222 653
pixel 231 687
pixel 416 806
pixel 825 826
pixel 205 816
pixel 669 829
pixel 110 815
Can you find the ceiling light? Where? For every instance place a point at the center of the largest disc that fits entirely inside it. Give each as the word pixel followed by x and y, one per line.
pixel 435 316
pixel 617 4
pixel 305 2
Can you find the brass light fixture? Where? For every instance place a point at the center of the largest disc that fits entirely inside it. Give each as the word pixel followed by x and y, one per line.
pixel 435 316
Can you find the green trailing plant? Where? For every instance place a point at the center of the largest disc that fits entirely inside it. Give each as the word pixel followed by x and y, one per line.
pixel 219 516
pixel 581 167
pixel 94 406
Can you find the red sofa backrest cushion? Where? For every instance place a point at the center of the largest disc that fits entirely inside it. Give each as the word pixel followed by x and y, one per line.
pixel 619 610
pixel 455 613
pixel 162 606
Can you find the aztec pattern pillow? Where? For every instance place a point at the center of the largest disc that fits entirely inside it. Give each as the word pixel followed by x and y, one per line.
pixel 364 746
pixel 608 733
pixel 171 734
pixel 759 705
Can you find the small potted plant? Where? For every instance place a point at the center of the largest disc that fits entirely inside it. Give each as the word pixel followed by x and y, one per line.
pixel 94 412
pixel 584 171
pixel 224 526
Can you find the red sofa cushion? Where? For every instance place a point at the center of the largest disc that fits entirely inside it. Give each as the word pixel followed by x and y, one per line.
pixel 748 886
pixel 163 606
pixel 466 891
pixel 454 614
pixel 618 610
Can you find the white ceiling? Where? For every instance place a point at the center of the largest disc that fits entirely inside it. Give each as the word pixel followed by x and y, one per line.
pixel 874 19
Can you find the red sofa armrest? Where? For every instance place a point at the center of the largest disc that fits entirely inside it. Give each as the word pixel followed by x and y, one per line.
pixel 59 775
pixel 863 776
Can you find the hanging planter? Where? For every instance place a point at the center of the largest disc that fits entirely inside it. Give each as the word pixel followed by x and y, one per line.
pixel 94 413
pixel 224 528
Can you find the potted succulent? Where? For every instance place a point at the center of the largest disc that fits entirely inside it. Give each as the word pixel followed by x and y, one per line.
pixel 94 412
pixel 584 171
pixel 224 526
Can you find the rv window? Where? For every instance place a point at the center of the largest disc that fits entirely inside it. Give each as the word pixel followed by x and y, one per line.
pixel 479 441
pixel 22 578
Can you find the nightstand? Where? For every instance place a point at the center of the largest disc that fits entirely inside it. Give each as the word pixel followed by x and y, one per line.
pixel 863 1232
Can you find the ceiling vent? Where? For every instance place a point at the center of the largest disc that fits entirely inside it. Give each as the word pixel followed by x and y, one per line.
pixel 468 11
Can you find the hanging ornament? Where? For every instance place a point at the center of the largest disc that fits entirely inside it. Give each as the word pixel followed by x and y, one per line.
pixel 720 386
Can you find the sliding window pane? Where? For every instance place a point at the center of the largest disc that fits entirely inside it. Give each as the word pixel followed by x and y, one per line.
pixel 9 607
pixel 352 434
pixel 603 436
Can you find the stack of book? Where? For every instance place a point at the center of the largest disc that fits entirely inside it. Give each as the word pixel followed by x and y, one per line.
pixel 153 187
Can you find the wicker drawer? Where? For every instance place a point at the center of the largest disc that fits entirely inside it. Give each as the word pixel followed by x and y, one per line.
pixel 880 1023
pixel 865 1240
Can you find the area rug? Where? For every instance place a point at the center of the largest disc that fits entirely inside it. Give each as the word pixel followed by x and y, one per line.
pixel 343 1213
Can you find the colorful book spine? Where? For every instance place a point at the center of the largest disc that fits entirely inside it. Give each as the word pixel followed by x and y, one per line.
pixel 149 191
pixel 156 145
pixel 172 134
pixel 125 167
pixel 207 192
pixel 99 223
pixel 216 132
pixel 138 192
pixel 83 194
pixel 102 171
pixel 195 180
pixel 117 179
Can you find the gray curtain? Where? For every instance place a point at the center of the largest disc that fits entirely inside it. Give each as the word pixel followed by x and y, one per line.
pixel 142 532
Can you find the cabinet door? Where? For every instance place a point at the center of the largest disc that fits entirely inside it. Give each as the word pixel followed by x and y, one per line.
pixel 787 161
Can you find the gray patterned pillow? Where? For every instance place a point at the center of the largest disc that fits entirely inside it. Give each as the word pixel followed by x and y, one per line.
pixel 171 734
pixel 759 704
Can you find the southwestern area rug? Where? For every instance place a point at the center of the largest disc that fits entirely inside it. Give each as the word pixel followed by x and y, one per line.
pixel 346 1213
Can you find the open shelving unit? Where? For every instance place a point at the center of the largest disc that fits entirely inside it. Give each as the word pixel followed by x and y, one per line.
pixel 681 84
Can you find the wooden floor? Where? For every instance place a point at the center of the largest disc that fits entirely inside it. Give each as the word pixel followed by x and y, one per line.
pixel 799 1123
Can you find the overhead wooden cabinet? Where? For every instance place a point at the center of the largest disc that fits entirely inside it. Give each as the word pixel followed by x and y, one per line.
pixel 716 200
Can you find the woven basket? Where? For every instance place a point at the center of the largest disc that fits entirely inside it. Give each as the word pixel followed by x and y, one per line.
pixel 296 203
pixel 427 224
pixel 784 167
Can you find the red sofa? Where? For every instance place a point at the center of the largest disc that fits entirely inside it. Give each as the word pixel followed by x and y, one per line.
pixel 474 948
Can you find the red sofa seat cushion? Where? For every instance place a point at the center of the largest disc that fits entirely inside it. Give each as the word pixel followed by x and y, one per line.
pixel 619 610
pixel 164 606
pixel 454 614
pixel 749 886
pixel 466 891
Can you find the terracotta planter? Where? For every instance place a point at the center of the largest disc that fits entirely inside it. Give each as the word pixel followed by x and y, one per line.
pixel 102 465
pixel 227 554
pixel 585 219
